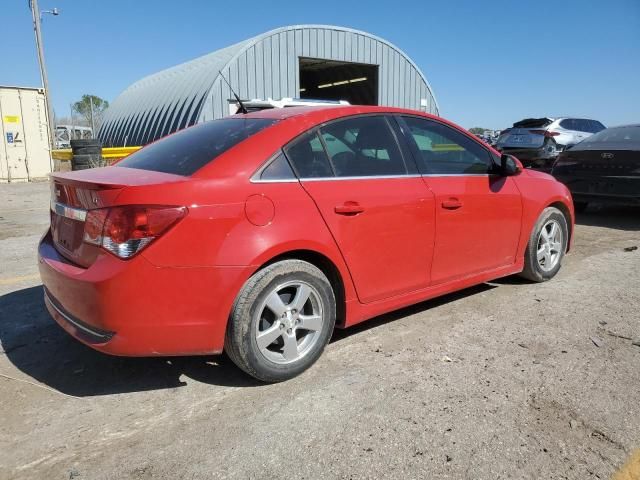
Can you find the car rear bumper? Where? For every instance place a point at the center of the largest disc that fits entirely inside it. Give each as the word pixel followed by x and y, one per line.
pixel 134 308
pixel 604 189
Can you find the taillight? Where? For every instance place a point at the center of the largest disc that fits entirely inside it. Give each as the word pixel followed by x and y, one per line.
pixel 125 231
pixel 545 133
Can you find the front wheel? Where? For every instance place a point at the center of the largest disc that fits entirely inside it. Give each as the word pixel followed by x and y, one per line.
pixel 281 321
pixel 547 246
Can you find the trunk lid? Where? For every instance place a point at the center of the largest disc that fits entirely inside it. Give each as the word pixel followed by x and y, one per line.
pixel 523 134
pixel 523 138
pixel 73 194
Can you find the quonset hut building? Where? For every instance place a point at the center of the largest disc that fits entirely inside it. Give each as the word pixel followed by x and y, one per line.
pixel 304 61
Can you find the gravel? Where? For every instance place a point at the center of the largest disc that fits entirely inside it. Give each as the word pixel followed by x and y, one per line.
pixel 503 380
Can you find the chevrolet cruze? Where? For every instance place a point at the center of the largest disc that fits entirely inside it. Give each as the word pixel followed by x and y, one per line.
pixel 258 234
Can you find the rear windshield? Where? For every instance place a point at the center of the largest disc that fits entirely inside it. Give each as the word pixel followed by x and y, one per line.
pixel 185 152
pixel 533 123
pixel 629 134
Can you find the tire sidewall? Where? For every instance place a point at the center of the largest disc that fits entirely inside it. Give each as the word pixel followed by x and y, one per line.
pixel 550 213
pixel 245 316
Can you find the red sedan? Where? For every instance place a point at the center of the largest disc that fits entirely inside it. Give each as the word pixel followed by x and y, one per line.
pixel 259 233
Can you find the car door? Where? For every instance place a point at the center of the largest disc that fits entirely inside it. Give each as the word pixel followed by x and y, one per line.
pixel 478 213
pixel 379 212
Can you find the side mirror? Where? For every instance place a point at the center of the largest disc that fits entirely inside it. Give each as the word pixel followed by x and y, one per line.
pixel 509 165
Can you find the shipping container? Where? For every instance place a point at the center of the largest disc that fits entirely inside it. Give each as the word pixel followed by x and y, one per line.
pixel 24 149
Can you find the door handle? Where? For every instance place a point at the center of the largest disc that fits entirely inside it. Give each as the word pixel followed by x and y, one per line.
pixel 349 208
pixel 451 204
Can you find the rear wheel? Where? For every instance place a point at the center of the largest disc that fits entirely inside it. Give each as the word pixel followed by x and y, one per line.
pixel 547 246
pixel 281 321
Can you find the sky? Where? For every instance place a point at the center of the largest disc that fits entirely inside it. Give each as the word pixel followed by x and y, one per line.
pixel 489 63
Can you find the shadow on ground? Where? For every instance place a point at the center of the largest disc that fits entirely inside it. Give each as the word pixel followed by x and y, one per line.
pixel 611 216
pixel 41 350
pixel 341 334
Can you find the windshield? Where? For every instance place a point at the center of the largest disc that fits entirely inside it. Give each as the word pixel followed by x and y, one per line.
pixel 629 134
pixel 187 151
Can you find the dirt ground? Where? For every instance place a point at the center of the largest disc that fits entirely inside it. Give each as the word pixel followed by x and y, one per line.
pixel 504 380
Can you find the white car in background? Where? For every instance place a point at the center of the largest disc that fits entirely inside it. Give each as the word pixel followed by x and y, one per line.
pixel 536 142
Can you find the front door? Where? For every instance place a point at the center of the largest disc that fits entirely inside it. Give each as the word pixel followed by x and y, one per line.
pixel 478 213
pixel 380 215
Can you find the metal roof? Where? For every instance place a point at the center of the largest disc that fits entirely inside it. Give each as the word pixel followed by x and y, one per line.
pixel 260 67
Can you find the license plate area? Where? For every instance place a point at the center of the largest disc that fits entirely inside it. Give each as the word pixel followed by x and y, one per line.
pixel 67 232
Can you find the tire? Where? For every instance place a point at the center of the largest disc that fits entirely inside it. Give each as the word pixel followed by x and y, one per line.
pixel 94 150
pixel 85 142
pixel 86 159
pixel 83 162
pixel 580 207
pixel 547 267
pixel 286 348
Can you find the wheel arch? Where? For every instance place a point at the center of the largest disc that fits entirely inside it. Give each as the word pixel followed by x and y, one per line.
pixel 566 211
pixel 327 266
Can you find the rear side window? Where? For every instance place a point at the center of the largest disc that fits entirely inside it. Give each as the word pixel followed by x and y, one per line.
pixel 308 157
pixel 582 125
pixel 363 147
pixel 445 151
pixel 278 169
pixel 185 152
pixel 568 123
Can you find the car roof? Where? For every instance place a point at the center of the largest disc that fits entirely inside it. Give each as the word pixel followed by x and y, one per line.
pixel 327 112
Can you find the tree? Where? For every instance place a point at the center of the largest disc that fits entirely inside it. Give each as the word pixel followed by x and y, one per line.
pixel 478 130
pixel 91 108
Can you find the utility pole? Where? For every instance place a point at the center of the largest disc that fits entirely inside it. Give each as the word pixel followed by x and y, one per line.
pixel 93 126
pixel 35 13
pixel 73 124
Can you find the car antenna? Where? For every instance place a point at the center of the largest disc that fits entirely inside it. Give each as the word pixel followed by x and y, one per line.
pixel 243 109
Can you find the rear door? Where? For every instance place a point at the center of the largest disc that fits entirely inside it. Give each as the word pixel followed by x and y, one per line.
pixel 478 213
pixel 373 200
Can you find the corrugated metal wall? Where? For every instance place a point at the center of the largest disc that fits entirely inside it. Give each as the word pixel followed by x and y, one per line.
pixel 268 67
pixel 261 67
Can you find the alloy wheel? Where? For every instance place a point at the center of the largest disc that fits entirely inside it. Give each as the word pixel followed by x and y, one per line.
pixel 290 322
pixel 549 249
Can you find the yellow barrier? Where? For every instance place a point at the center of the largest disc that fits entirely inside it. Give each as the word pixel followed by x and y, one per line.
pixel 113 153
pixel 62 154
pixel 118 152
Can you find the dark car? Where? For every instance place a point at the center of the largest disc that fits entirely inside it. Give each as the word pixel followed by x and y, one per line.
pixel 604 167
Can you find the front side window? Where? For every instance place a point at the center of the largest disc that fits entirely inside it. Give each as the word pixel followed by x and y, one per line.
pixel 593 126
pixel 185 152
pixel 445 151
pixel 362 147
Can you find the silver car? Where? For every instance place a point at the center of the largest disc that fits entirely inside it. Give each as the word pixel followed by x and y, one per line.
pixel 538 141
